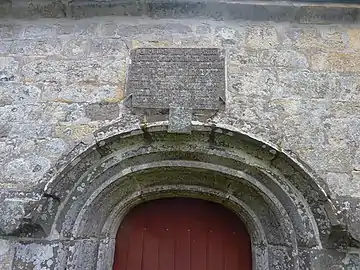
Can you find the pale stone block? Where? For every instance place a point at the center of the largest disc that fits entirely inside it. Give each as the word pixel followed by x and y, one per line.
pixel 74 132
pixel 264 36
pixel 354 38
pixel 6 256
pixel 336 61
pixel 8 69
pixel 330 38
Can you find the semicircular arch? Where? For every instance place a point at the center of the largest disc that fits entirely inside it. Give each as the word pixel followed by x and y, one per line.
pixel 282 203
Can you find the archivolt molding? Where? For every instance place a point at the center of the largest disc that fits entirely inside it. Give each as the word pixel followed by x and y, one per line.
pixel 276 196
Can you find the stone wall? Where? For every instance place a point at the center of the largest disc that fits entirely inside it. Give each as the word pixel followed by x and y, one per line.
pixel 293 85
pixel 296 86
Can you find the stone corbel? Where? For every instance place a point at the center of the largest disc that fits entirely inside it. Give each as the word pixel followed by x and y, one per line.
pixel 16 211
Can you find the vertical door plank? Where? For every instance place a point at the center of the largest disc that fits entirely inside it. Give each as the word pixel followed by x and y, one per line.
pixel 199 249
pixel 136 240
pixel 167 254
pixel 243 245
pixel 215 250
pixel 182 247
pixel 231 255
pixel 150 251
pixel 122 247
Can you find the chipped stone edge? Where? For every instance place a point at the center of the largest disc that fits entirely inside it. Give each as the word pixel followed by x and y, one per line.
pixel 301 12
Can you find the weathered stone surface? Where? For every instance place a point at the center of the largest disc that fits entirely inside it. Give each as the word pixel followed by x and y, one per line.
pixel 263 37
pixel 179 79
pixel 81 247
pixel 8 69
pixel 269 58
pixel 292 85
pixel 84 71
pixel 284 58
pixel 190 77
pixel 38 113
pixel 102 111
pixel 76 47
pixel 35 255
pixel 350 86
pixel 14 93
pixel 40 31
pixel 51 147
pixel 336 61
pixel 305 84
pixel 339 183
pixel 10 31
pixel 77 92
pixel 280 258
pixel 121 30
pixel 180 120
pixel 30 47
pixel 41 70
pixel 5 47
pixel 334 260
pixel 113 71
pixel 26 169
pixel 12 214
pixel 107 47
pixel 74 132
pixel 4 131
pixel 203 28
pixel 354 38
pixel 85 82
pixel 355 177
pixel 81 28
pixel 307 37
pixel 230 36
pixel 353 214
pixel 317 14
pixel 6 256
pixel 23 130
pixel 292 11
pixel 252 81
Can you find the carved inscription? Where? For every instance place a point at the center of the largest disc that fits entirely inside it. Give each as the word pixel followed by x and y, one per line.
pixel 169 78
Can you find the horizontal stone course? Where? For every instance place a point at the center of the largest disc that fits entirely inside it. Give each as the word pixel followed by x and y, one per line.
pixel 344 62
pixel 262 37
pixel 315 36
pixel 293 11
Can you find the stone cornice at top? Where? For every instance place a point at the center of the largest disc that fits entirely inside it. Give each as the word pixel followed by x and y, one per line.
pixel 311 11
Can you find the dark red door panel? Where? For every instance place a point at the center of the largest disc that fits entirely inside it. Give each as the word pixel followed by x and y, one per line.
pixel 182 234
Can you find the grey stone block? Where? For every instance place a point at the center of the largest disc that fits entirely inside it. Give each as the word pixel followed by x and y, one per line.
pixel 101 111
pixel 38 255
pixel 8 69
pixel 6 254
pixel 15 93
pixel 180 120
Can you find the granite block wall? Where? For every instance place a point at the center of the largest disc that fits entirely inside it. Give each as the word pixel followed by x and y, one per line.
pixel 294 85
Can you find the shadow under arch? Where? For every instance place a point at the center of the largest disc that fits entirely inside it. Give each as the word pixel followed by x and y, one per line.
pixel 281 202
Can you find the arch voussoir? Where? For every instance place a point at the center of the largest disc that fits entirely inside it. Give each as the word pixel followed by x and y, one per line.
pixel 280 207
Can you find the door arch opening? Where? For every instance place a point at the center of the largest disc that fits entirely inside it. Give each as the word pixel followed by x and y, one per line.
pixel 182 233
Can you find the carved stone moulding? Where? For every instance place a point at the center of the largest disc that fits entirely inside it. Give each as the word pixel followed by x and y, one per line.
pixel 287 212
pixel 311 11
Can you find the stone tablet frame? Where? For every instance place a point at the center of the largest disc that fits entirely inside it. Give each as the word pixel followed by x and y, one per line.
pixel 176 84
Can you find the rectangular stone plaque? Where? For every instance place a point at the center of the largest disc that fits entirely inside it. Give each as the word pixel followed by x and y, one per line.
pixel 165 78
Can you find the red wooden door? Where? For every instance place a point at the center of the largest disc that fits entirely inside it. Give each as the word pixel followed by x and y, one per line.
pixel 182 234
